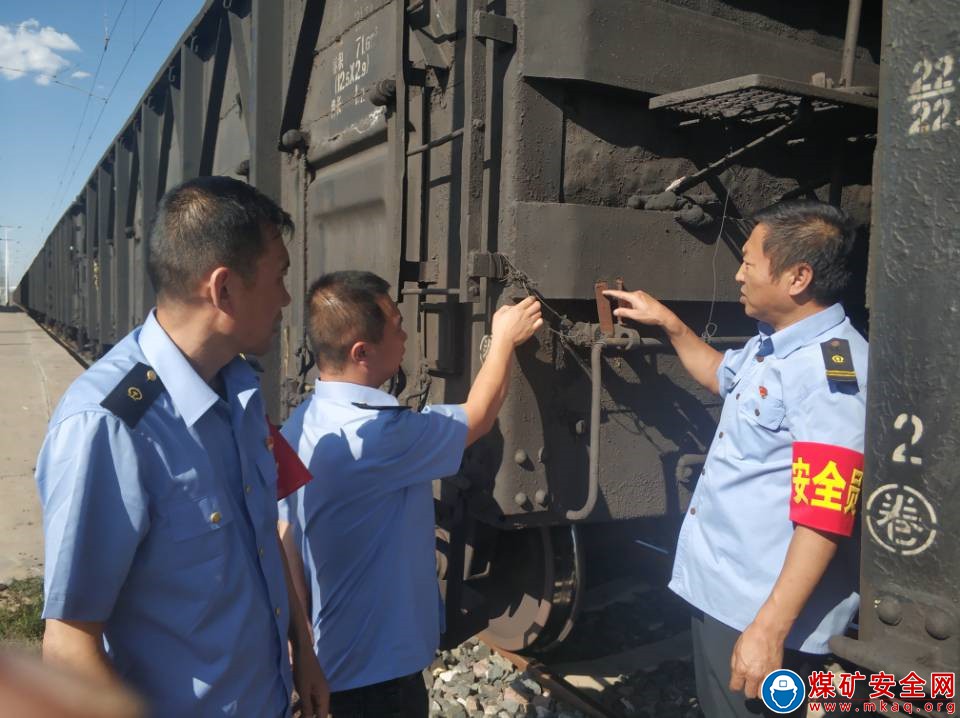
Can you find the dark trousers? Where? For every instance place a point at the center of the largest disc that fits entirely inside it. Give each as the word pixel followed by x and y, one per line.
pixel 398 698
pixel 713 644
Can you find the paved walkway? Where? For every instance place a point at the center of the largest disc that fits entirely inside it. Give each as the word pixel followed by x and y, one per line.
pixel 34 373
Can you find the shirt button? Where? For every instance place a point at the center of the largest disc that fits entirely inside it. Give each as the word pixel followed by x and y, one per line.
pixel 693 511
pixel 260 551
pixel 738 396
pixel 215 517
pixel 756 412
pixel 759 358
pixel 721 434
pixel 246 488
pixel 276 611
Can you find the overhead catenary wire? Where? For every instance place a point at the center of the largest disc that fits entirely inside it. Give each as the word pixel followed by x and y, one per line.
pixel 57 197
pixel 54 80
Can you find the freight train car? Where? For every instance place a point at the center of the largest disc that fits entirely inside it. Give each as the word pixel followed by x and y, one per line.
pixel 474 151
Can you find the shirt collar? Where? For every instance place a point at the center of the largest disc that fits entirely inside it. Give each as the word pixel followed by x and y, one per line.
pixel 191 395
pixel 346 392
pixel 797 335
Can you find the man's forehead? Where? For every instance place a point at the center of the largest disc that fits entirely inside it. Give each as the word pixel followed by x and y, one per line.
pixel 755 240
pixel 389 306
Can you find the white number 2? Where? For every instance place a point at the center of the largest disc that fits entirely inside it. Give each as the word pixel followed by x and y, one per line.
pixel 900 453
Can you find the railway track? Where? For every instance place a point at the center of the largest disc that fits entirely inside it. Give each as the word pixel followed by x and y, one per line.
pixel 644 671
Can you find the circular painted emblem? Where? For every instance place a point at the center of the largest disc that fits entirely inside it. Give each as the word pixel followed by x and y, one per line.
pixel 782 691
pixel 901 519
pixel 134 393
pixel 485 346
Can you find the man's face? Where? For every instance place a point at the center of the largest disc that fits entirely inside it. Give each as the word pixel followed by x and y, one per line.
pixel 764 298
pixel 385 356
pixel 259 304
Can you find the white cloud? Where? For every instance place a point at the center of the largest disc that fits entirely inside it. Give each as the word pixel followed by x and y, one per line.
pixel 80 75
pixel 29 50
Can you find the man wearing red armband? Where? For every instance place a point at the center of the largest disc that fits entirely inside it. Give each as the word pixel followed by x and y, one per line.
pixel 768 551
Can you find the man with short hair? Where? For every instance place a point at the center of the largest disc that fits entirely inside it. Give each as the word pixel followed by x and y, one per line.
pixel 163 567
pixel 364 526
pixel 768 551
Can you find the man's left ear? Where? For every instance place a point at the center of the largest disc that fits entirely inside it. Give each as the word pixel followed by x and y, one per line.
pixel 800 279
pixel 218 286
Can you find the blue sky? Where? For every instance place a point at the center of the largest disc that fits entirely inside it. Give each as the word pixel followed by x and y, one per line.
pixel 44 43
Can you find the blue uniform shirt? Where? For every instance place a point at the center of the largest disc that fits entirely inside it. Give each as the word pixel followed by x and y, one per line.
pixel 735 535
pixel 166 532
pixel 365 527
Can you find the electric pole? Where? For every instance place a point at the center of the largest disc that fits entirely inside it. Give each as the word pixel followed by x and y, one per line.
pixel 6 259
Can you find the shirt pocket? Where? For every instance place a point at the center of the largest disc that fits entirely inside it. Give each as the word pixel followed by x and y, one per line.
pixel 766 412
pixel 194 533
pixel 203 517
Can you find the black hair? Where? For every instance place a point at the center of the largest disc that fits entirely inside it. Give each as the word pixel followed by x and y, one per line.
pixel 343 308
pixel 209 222
pixel 815 233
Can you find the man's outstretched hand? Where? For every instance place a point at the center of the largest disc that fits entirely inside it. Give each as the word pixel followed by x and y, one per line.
pixel 516 323
pixel 641 308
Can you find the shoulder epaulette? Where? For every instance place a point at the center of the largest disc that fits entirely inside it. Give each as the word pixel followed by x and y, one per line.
pixel 838 361
pixel 387 407
pixel 131 398
pixel 254 364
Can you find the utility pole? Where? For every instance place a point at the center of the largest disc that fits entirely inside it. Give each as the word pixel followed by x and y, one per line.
pixel 6 260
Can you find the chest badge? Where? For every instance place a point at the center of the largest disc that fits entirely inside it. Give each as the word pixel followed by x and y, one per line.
pixel 763 392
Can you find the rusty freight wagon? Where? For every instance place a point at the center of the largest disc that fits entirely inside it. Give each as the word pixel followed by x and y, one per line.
pixel 474 151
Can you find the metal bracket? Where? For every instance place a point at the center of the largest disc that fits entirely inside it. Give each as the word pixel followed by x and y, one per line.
pixel 487 264
pixel 487 25
pixel 605 306
pixel 421 272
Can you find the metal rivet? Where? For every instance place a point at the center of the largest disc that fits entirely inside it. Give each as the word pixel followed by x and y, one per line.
pixel 580 427
pixel 520 499
pixel 889 611
pixel 541 497
pixel 542 455
pixel 520 456
pixel 940 625
pixel 294 139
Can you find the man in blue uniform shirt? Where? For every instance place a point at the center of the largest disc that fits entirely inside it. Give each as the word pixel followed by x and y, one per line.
pixel 364 526
pixel 768 549
pixel 163 566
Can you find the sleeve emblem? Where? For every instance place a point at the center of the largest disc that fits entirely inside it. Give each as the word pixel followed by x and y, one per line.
pixel 826 486
pixel 291 472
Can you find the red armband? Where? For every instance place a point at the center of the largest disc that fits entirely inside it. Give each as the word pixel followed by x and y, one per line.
pixel 826 486
pixel 291 473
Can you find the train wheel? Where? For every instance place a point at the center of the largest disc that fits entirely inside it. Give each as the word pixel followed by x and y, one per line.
pixel 534 587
